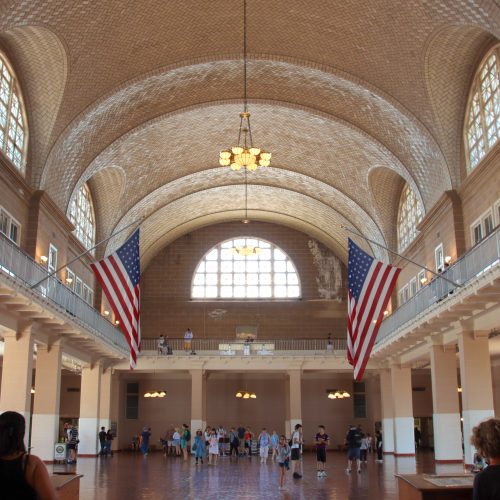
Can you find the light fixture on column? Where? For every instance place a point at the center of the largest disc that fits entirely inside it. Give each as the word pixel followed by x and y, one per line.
pixel 245 155
pixel 246 395
pixel 43 259
pixel 155 394
pixel 337 394
pixel 69 281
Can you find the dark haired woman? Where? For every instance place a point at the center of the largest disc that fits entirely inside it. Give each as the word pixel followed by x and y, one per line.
pixel 22 476
pixel 486 439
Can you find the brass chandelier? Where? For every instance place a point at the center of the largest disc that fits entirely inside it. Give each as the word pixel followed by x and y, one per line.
pixel 245 155
pixel 337 394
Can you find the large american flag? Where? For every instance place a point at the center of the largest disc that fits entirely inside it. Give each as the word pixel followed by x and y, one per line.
pixel 119 275
pixel 370 284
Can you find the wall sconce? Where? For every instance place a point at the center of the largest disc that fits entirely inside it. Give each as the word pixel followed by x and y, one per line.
pixel 105 312
pixel 447 260
pixel 386 313
pixel 69 281
pixel 459 389
pixel 32 390
pixel 43 259
pixel 117 322
pixel 423 280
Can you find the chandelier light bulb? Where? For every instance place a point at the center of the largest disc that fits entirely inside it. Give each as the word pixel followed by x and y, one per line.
pixel 239 395
pixel 253 395
pixel 246 395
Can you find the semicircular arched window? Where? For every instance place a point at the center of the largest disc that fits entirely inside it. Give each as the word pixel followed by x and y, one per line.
pixel 409 215
pixel 13 133
pixel 245 268
pixel 482 119
pixel 81 215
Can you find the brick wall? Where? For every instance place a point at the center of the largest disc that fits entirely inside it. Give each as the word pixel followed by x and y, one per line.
pixel 166 306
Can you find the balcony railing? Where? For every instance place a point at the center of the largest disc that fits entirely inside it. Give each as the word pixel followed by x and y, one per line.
pixel 480 259
pixel 22 269
pixel 258 347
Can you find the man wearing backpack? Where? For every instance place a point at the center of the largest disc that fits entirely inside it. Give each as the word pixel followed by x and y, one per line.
pixel 353 441
pixel 234 443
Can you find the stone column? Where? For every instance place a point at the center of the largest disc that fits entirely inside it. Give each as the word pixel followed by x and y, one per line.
pixel 17 374
pixel 198 401
pixel 477 388
pixel 45 428
pixel 387 409
pixel 404 437
pixel 295 380
pixel 105 401
pixel 446 411
pixel 287 407
pixel 89 410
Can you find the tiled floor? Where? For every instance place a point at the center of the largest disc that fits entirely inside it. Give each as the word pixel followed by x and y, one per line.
pixel 131 476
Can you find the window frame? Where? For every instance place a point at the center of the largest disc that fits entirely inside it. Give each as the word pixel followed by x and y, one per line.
pixel 480 223
pixel 406 228
pixel 420 276
pixel 53 258
pixel 476 90
pixel 11 222
pixel 83 217
pixel 72 275
pixel 15 89
pixel 223 289
pixel 439 261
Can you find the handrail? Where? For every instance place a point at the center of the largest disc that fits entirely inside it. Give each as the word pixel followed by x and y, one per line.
pixel 300 345
pixel 21 268
pixel 478 260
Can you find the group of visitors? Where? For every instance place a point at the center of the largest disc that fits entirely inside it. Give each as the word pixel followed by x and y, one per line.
pixel 25 476
pixel 106 442
pixel 163 347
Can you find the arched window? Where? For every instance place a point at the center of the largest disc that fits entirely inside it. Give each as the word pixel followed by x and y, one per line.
pixel 409 215
pixel 266 273
pixel 81 215
pixel 482 121
pixel 12 118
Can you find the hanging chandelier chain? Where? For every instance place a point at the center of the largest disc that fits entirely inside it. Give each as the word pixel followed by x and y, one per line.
pixel 245 55
pixel 245 155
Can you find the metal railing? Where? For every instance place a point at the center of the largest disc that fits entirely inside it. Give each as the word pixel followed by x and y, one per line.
pixel 478 260
pixel 200 345
pixel 21 268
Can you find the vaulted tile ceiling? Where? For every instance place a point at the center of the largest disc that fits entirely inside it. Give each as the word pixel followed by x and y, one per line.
pixel 351 97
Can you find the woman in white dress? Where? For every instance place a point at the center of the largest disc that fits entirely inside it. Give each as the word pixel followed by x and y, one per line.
pixel 213 448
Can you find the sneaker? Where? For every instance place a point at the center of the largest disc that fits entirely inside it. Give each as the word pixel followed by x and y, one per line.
pixel 319 474
pixel 323 473
pixel 348 471
pixel 296 475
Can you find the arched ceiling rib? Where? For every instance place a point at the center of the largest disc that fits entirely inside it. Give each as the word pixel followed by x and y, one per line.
pixel 328 98
pixel 272 178
pixel 264 203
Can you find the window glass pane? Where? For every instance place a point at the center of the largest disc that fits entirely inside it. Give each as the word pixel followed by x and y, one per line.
pixel 280 267
pixel 211 266
pixel 239 267
pixel 252 279
pixel 410 214
pixel 226 291
pixel 226 267
pixel 265 279
pixel 265 254
pixel 279 255
pixel 81 215
pixel 199 279
pixel 201 267
pixel 198 292
pixel 265 267
pixel 239 291
pixel 293 291
pixel 226 279
pixel 292 279
pixel 252 266
pixel 226 254
pixel 280 279
pixel 253 291
pixel 211 291
pixel 239 279
pixel 211 279
pixel 265 291
pixel 280 291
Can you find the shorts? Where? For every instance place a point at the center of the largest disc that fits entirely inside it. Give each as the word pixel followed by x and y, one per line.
pixel 71 446
pixel 285 464
pixel 295 454
pixel 176 442
pixel 353 454
pixel 321 455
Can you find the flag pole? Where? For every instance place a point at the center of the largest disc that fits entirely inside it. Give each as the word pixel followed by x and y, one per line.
pixel 78 257
pixel 350 230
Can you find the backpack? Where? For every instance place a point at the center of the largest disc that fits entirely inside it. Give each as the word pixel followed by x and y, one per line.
pixel 187 435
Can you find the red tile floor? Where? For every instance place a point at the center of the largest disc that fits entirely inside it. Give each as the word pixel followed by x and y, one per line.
pixel 129 475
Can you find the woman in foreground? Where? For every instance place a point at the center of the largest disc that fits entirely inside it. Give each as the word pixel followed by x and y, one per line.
pixel 22 476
